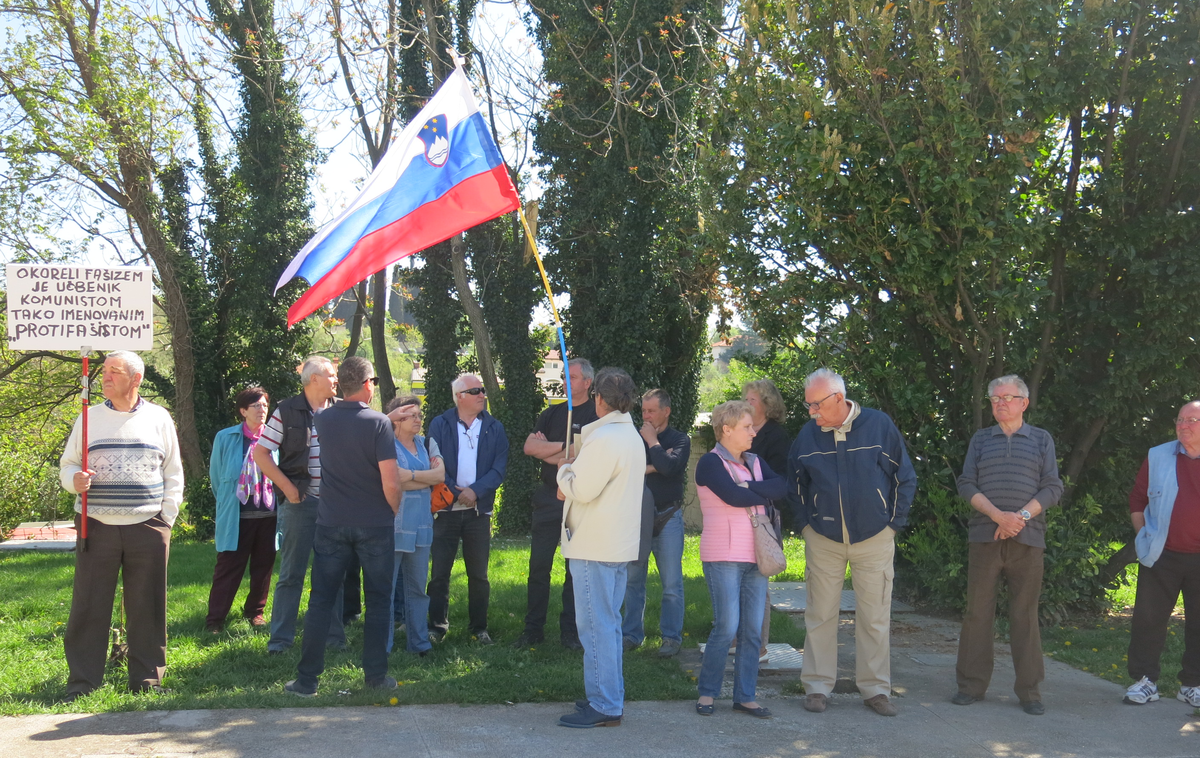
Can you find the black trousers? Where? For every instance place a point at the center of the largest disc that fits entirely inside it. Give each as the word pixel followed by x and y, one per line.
pixel 138 553
pixel 1158 588
pixel 545 534
pixel 475 533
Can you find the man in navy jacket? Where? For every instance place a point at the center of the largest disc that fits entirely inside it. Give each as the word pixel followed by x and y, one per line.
pixel 475 450
pixel 851 484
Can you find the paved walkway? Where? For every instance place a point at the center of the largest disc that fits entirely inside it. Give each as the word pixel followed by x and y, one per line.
pixel 1085 718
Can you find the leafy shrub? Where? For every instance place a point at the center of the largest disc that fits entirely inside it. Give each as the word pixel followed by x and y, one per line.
pixel 30 491
pixel 198 516
pixel 933 550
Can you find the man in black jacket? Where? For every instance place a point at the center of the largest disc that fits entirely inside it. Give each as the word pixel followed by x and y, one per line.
pixel 297 479
pixel 667 453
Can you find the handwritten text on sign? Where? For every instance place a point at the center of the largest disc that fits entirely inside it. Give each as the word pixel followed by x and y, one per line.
pixel 69 307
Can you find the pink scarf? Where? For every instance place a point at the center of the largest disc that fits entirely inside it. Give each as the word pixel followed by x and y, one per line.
pixel 252 483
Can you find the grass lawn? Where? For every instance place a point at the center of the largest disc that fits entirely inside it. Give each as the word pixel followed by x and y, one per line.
pixel 233 670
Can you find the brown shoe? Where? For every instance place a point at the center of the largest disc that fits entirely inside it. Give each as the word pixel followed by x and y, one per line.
pixel 881 705
pixel 816 703
pixel 258 621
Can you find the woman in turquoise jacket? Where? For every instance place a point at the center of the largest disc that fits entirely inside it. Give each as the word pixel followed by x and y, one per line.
pixel 245 518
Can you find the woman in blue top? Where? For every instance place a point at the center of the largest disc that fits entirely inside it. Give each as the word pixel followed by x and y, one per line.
pixel 414 520
pixel 245 516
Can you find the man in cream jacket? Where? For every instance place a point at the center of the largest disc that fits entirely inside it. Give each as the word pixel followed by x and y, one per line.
pixel 601 532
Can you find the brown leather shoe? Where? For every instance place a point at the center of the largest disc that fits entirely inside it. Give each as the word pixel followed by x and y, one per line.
pixel 816 703
pixel 257 621
pixel 881 705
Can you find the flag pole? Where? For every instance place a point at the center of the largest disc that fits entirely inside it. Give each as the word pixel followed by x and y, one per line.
pixel 83 530
pixel 562 343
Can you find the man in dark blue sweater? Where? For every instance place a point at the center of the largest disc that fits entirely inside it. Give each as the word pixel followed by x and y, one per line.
pixel 851 484
pixel 667 453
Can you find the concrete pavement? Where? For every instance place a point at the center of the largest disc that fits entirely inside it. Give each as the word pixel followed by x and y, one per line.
pixel 1085 718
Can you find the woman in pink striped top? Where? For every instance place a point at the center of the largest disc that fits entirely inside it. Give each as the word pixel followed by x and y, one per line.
pixel 733 483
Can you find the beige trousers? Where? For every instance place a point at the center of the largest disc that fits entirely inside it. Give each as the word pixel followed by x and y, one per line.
pixel 872 572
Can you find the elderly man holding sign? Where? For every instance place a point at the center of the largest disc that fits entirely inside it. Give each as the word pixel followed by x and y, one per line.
pixel 134 484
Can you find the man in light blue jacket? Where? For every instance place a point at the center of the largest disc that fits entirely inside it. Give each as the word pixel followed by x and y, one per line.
pixel 1165 509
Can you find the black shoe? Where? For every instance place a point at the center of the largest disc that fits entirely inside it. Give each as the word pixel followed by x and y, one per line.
pixel 437 635
pixel 295 688
pixel 528 639
pixel 587 718
pixel 150 689
pixel 962 698
pixel 760 712
pixel 1034 707
pixel 386 683
pixel 571 642
pixel 71 697
pixel 705 710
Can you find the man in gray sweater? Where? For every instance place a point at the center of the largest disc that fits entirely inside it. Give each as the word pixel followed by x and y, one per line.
pixel 1010 477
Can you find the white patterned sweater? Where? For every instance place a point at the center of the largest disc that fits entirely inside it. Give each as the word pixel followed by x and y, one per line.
pixel 135 457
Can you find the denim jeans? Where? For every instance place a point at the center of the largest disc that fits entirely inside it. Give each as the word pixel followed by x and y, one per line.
pixel 398 593
pixel 408 589
pixel 297 524
pixel 668 556
pixel 599 590
pixel 738 594
pixel 333 547
pixel 545 532
pixel 475 532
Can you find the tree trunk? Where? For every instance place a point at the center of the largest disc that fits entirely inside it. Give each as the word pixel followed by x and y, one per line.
pixel 356 323
pixel 383 369
pixel 483 342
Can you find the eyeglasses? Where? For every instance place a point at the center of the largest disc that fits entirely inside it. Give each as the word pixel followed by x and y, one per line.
pixel 474 391
pixel 374 380
pixel 1187 421
pixel 258 406
pixel 1005 398
pixel 813 406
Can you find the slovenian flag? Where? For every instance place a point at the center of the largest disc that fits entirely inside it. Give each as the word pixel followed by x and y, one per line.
pixel 441 176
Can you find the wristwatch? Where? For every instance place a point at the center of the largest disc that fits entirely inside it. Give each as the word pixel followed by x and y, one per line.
pixel 1024 514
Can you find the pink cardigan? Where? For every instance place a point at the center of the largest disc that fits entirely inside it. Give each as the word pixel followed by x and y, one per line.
pixel 728 535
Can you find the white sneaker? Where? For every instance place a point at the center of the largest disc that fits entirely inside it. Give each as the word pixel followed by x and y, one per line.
pixel 1189 695
pixel 1142 691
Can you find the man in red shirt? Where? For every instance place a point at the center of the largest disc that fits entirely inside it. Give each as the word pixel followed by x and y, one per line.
pixel 1165 508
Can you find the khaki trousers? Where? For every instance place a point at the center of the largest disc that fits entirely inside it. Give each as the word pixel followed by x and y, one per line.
pixel 872 572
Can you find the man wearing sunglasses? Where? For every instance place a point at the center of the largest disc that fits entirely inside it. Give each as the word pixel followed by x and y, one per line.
pixel 1165 509
pixel 851 483
pixel 475 451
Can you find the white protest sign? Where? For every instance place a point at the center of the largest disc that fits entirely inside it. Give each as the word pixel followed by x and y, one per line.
pixel 66 307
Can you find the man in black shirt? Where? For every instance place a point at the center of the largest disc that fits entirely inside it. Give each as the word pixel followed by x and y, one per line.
pixel 667 453
pixel 546 443
pixel 360 494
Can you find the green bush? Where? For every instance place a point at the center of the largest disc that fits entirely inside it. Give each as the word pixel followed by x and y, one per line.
pixel 1075 554
pixel 933 549
pixel 197 521
pixel 30 491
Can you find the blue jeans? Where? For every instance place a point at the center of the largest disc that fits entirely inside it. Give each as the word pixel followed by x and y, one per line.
pixel 408 588
pixel 599 590
pixel 739 593
pixel 297 523
pixel 333 547
pixel 668 555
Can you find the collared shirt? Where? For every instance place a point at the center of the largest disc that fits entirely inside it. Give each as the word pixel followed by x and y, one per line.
pixel 1011 470
pixel 840 432
pixel 468 456
pixel 1183 533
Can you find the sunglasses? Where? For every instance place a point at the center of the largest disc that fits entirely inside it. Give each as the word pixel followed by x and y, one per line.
pixel 474 391
pixel 374 380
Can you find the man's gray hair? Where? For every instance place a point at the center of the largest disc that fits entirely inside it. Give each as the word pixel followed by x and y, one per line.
pixel 585 367
pixel 460 382
pixel 1012 379
pixel 662 396
pixel 830 378
pixel 615 387
pixel 313 364
pixel 353 374
pixel 133 362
